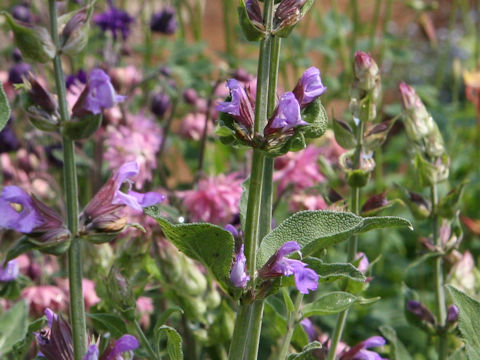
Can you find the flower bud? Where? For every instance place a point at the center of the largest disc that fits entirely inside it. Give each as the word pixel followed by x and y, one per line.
pixel 17 72
pixel 190 96
pixel 75 33
pixel 22 13
pixel 254 12
pixel 288 13
pixel 164 22
pixel 42 120
pixel 452 314
pixel 367 73
pixel 41 96
pixel 160 104
pixel 419 315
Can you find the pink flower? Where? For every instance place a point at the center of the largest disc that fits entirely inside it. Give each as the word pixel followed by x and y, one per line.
pixel 299 169
pixel 145 309
pixel 463 273
pixel 89 294
pixel 216 199
pixel 43 296
pixel 138 140
pixel 192 126
pixel 331 151
pixel 304 201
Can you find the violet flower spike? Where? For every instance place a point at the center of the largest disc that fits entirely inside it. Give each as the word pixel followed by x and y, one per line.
pixel 309 87
pixel 114 20
pixel 278 265
pixel 238 274
pixel 240 105
pixel 287 115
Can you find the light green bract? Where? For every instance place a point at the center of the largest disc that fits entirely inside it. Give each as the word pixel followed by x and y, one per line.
pixel 4 108
pixel 316 230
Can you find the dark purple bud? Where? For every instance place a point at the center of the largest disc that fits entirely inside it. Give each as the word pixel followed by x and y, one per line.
pixel 160 104
pixel 18 72
pixel 41 96
pixel 375 202
pixel 288 12
pixel 8 139
pixel 75 33
pixel 55 343
pixel 253 11
pixel 238 273
pixel 79 77
pixel 164 22
pixel 278 265
pixel 309 87
pixel 166 71
pixel 190 96
pixel 114 20
pixel 10 271
pixel 421 311
pixel 21 13
pixel 452 315
pixel 17 55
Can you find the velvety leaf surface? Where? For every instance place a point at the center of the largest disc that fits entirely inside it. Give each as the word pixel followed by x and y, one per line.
pixel 13 326
pixel 4 108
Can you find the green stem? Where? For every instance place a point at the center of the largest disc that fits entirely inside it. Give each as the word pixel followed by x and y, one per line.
pixel 77 306
pixel 240 332
pixel 353 242
pixel 144 340
pixel 439 281
pixel 255 329
pixel 291 322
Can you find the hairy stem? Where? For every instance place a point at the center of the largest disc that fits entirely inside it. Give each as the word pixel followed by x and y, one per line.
pixel 77 307
pixel 291 322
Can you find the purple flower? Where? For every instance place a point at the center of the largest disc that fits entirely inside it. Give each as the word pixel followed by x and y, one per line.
pixel 8 138
pixel 452 315
pixel 23 221
pixel 79 77
pixel 238 274
pixel 278 265
pixel 241 105
pixel 231 229
pixel 309 87
pixel 114 20
pixel 10 271
pixel 22 13
pixel 110 198
pixel 164 22
pixel 92 353
pixel 98 94
pixel 17 72
pixel 122 345
pixel 421 311
pixel 309 329
pixel 360 352
pixel 287 115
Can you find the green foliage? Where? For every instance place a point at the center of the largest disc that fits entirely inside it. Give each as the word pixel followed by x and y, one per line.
pixel 398 352
pixel 108 322
pixel 22 346
pixel 252 31
pixel 468 318
pixel 316 230
pixel 174 341
pixel 13 326
pixel 209 244
pixel 344 134
pixel 333 303
pixel 334 271
pixel 307 352
pixel 4 108
pixel 79 128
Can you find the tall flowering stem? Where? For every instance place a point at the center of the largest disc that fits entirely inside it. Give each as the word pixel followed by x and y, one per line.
pixel 439 281
pixel 77 307
pixel 249 316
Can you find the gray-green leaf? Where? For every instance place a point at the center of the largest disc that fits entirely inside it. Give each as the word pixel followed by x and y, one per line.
pixel 316 230
pixel 4 108
pixel 207 243
pixel 174 341
pixel 468 319
pixel 13 326
pixel 334 271
pixel 331 303
pixel 398 352
pixel 307 352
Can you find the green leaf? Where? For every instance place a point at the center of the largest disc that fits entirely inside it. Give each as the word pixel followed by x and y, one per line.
pixel 316 116
pixel 334 271
pixel 109 322
pixel 174 341
pixel 22 346
pixel 166 314
pixel 4 108
pixel 399 352
pixel 207 243
pixel 35 43
pixel 307 352
pixel 316 230
pixel 331 303
pixel 468 319
pixel 252 32
pixel 448 205
pixel 288 300
pixel 344 134
pixel 13 326
pixel 82 128
pixel 20 247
